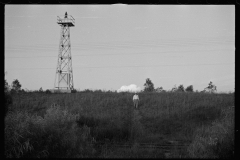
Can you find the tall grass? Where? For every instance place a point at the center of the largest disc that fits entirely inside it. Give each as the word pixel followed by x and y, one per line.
pixel 215 140
pixel 54 135
pixel 70 123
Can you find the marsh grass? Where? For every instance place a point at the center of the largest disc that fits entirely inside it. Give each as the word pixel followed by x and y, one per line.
pixel 133 152
pixel 70 123
pixel 215 140
pixel 54 135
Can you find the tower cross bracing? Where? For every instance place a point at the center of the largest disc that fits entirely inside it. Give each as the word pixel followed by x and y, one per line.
pixel 64 72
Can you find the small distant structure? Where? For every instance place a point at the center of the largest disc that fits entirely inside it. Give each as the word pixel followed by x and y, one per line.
pixel 64 73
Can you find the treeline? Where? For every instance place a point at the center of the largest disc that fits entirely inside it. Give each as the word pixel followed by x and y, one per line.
pixel 148 87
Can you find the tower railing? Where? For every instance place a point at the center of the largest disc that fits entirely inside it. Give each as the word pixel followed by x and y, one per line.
pixel 69 20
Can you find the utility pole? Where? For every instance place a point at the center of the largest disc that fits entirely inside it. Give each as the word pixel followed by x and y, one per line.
pixel 64 73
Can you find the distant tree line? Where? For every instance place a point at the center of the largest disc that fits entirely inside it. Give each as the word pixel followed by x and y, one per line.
pixel 149 87
pixel 15 87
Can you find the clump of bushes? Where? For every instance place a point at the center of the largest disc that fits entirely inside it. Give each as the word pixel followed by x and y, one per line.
pixel 56 134
pixel 48 91
pixel 74 91
pixel 217 140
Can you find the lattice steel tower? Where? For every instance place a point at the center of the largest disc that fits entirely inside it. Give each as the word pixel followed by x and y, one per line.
pixel 64 72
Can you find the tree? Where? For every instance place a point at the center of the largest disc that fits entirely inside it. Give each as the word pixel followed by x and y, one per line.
pixel 6 86
pixel 189 88
pixel 41 90
pixel 149 86
pixel 181 88
pixel 16 86
pixel 159 89
pixel 211 88
pixel 174 88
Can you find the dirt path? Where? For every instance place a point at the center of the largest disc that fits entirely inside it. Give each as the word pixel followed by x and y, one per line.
pixel 137 129
pixel 135 148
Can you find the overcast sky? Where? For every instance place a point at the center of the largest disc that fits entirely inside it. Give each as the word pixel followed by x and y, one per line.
pixel 120 45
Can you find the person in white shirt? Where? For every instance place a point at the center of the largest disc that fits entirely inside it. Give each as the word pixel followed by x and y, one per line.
pixel 135 100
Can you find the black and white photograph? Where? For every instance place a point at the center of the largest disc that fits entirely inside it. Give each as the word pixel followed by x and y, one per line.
pixel 119 81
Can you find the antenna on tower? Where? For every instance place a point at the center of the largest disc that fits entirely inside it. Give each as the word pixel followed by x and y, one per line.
pixel 64 73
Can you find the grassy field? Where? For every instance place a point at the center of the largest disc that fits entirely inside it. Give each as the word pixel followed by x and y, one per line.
pixel 71 125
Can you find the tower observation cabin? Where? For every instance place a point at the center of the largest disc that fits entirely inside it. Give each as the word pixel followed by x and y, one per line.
pixel 68 20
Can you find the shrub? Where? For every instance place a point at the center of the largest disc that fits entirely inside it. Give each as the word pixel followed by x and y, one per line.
pixel 48 91
pixel 74 91
pixel 189 88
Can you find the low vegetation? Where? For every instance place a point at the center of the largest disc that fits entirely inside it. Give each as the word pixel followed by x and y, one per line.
pixel 73 125
pixel 84 124
pixel 215 140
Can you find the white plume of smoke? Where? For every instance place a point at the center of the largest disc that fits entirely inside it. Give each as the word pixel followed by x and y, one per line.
pixel 130 88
